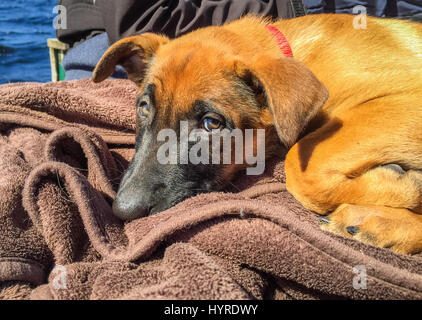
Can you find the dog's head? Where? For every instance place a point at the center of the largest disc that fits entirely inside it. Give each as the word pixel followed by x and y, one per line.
pixel 210 88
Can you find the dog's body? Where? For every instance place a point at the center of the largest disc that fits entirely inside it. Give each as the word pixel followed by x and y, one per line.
pixel 372 118
pixel 361 149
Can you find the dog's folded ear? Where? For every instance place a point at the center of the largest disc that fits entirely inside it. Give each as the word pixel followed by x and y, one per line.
pixel 293 93
pixel 133 53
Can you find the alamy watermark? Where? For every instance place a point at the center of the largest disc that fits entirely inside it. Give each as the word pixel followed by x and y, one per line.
pixel 359 280
pixel 359 22
pixel 60 20
pixel 201 147
pixel 59 281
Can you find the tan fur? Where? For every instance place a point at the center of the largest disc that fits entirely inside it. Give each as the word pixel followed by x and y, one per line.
pixel 397 229
pixel 372 117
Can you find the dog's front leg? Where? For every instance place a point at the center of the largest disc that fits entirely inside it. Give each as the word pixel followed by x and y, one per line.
pixel 351 160
pixel 344 162
pixel 385 227
pixel 369 208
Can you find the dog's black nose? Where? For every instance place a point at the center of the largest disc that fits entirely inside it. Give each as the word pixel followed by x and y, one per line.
pixel 127 207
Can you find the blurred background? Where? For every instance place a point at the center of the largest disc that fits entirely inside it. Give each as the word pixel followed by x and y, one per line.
pixel 24 29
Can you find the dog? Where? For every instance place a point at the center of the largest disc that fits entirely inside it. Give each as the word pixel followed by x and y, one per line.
pixel 346 103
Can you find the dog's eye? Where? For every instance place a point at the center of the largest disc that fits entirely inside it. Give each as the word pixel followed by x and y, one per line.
pixel 143 110
pixel 210 124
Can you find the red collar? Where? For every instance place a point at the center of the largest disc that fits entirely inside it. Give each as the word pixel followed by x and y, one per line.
pixel 281 40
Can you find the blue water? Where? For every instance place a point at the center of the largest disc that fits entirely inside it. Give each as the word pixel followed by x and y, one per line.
pixel 24 28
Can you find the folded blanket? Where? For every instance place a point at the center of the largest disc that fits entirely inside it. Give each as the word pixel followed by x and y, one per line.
pixel 63 148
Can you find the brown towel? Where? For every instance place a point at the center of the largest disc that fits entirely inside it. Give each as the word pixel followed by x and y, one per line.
pixel 63 148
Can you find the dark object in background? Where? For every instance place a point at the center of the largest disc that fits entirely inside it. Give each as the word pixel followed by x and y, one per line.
pixel 173 18
pixel 121 18
pixel 80 61
pixel 84 20
pixel 404 9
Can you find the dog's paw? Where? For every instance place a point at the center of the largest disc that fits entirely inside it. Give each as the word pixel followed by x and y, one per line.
pixel 397 229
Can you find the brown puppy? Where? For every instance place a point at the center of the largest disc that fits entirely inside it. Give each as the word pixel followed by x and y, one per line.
pixel 361 149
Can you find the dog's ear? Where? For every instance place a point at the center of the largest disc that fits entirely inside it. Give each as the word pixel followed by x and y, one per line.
pixel 133 53
pixel 292 92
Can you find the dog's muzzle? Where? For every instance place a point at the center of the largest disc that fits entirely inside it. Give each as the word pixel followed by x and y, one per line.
pixel 129 205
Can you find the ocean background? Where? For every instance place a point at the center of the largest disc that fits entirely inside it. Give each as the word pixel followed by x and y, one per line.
pixel 24 28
